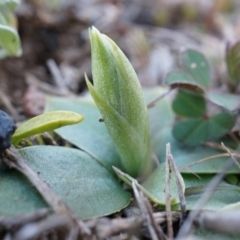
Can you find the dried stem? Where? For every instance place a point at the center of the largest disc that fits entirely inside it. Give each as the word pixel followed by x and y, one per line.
pixel 17 221
pixel 152 226
pixel 179 185
pixel 167 195
pixel 224 221
pixel 209 158
pixel 158 98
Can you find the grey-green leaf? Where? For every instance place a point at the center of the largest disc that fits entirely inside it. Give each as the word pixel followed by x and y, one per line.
pixel 17 195
pixel 230 102
pixel 225 194
pixel 90 135
pixel 155 186
pixel 81 182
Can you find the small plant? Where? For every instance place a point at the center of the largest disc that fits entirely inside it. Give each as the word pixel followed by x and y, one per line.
pixel 84 178
pixel 199 125
pixel 9 38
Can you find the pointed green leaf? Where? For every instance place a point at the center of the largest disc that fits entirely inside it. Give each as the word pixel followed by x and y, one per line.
pixel 125 137
pixel 91 135
pixel 188 104
pixel 197 66
pixel 118 95
pixel 195 131
pixel 81 182
pixel 45 122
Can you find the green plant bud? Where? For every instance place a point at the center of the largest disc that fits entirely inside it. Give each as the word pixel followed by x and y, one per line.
pixel 118 95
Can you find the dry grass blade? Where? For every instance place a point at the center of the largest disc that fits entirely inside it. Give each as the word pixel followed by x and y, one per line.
pixel 105 228
pixel 179 184
pixel 209 158
pixel 147 214
pixel 167 195
pixel 31 80
pixel 232 156
pixel 186 228
pixel 57 76
pixel 158 98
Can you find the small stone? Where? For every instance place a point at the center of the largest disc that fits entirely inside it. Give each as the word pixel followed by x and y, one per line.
pixel 7 128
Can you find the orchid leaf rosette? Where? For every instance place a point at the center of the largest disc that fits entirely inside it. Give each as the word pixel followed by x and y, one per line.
pixel 118 95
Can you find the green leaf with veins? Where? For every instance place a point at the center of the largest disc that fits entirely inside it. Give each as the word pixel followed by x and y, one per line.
pixel 197 66
pixel 188 104
pixel 195 131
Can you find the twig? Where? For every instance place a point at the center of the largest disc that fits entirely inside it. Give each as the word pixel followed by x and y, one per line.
pixel 155 234
pixel 235 138
pixel 157 228
pixel 179 185
pixel 187 226
pixel 9 223
pixel 73 233
pixel 158 98
pixel 106 227
pixel 209 158
pixel 57 76
pixel 45 87
pixel 33 230
pixel 233 158
pixel 215 146
pixel 167 195
pixel 48 139
pixel 223 221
